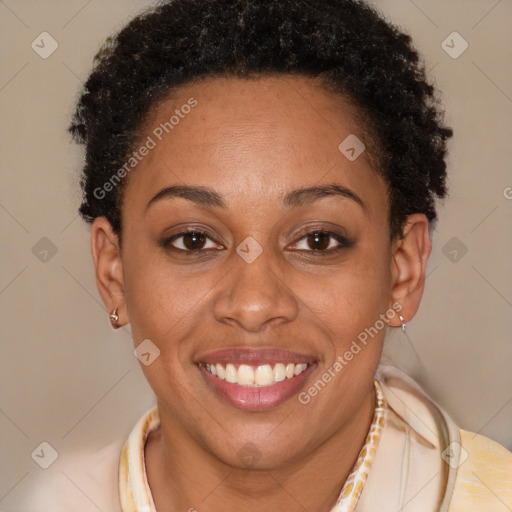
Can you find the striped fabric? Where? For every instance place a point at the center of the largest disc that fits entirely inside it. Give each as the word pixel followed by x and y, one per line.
pixel 353 487
pixel 134 492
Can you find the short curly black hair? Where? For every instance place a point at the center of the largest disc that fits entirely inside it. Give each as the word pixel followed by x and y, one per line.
pixel 347 44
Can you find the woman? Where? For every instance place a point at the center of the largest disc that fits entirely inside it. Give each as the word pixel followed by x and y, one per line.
pixel 261 179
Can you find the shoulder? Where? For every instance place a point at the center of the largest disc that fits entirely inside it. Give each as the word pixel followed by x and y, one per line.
pixel 484 476
pixel 477 471
pixel 83 480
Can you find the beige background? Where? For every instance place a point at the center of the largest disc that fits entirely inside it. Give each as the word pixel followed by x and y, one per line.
pixel 67 378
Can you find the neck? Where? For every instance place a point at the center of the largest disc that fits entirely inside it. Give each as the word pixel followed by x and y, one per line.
pixel 183 476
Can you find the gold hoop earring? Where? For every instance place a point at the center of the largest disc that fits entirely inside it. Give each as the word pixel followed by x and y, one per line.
pixel 114 317
pixel 402 319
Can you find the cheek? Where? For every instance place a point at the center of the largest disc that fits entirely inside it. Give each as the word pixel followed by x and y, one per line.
pixel 159 304
pixel 164 303
pixel 350 305
pixel 350 298
pixel 163 307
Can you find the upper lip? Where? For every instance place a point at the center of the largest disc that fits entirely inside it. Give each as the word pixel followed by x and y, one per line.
pixel 254 356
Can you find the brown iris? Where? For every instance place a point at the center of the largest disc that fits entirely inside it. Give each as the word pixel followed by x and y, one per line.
pixel 193 240
pixel 319 238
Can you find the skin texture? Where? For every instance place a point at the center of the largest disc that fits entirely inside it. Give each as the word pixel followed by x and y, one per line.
pixel 253 142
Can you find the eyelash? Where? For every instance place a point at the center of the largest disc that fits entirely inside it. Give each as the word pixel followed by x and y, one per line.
pixel 344 243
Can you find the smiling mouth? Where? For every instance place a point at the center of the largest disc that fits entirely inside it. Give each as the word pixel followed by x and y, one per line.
pixel 260 376
pixel 255 378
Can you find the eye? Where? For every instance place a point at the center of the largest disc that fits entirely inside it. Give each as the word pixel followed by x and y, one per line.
pixel 190 241
pixel 321 242
pixel 195 241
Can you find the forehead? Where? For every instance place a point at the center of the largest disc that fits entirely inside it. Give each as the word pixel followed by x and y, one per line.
pixel 247 137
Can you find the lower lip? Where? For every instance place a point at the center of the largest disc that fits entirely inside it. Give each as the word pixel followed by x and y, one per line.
pixel 256 398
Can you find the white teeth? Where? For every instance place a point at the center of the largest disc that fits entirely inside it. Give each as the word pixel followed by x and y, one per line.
pixel 231 373
pixel 299 368
pixel 245 375
pixel 279 372
pixel 221 372
pixel 263 375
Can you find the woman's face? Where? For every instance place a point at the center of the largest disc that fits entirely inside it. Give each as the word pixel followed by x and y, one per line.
pixel 253 288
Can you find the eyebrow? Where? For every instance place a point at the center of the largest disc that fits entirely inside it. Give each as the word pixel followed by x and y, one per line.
pixel 205 196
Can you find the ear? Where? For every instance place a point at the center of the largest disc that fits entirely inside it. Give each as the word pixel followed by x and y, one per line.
pixel 409 265
pixel 108 267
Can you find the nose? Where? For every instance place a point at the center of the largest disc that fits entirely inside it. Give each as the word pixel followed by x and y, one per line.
pixel 255 295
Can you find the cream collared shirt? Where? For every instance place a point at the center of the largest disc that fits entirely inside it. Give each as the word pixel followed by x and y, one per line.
pixel 423 463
